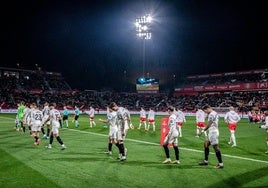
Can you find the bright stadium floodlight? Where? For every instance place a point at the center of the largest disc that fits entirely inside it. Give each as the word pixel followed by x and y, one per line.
pixel 143 27
pixel 143 30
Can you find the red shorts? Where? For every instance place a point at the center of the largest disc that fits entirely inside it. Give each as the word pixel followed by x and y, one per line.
pixel 179 124
pixel 91 118
pixel 151 120
pixel 232 126
pixel 142 119
pixel 201 124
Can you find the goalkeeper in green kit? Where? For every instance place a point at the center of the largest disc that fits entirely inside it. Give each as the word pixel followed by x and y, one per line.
pixel 20 115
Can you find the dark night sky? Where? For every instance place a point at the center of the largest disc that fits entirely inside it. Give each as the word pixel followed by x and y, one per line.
pixel 92 43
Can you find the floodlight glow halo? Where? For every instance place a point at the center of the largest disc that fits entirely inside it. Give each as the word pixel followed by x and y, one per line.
pixel 143 27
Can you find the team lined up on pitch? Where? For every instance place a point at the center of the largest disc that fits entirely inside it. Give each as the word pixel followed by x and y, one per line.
pixel 119 121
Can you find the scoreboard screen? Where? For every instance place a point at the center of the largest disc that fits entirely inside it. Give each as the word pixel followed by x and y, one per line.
pixel 147 85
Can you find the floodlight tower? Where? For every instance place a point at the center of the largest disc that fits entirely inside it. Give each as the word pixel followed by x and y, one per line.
pixel 143 29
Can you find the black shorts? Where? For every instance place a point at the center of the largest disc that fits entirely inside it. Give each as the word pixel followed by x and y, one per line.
pixel 65 117
pixel 76 117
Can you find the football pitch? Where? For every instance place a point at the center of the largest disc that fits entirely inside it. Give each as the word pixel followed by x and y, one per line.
pixel 84 164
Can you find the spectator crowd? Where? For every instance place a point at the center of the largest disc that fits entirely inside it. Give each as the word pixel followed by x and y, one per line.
pixel 40 87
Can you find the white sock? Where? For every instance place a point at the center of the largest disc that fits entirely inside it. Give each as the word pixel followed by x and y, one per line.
pixel 197 131
pixel 233 138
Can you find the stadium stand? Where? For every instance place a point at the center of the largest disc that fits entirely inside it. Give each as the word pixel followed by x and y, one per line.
pixel 36 86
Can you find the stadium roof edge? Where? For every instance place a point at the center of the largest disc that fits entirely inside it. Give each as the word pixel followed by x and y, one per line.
pixel 27 70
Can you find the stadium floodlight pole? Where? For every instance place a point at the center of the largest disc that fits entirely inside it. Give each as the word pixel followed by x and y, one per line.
pixel 143 30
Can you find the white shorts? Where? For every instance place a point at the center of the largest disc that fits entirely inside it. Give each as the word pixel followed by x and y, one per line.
pixel 36 126
pixel 172 139
pixel 113 132
pixel 119 135
pixel 126 127
pixel 213 137
pixel 55 127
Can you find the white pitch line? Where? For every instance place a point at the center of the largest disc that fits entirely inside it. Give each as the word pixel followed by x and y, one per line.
pixel 187 149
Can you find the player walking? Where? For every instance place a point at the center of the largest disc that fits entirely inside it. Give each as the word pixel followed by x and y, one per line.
pixel 212 138
pixel 151 121
pixel 113 129
pixel 54 116
pixel 65 115
pixel 232 118
pixel 27 116
pixel 143 119
pixel 76 116
pixel 171 137
pixel 121 120
pixel 265 127
pixel 36 123
pixel 91 114
pixel 180 119
pixel 20 115
pixel 200 121
pixel 45 112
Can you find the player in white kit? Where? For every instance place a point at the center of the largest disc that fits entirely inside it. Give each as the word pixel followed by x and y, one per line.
pixel 55 116
pixel 151 120
pixel 200 121
pixel 113 129
pixel 232 118
pixel 121 121
pixel 36 123
pixel 213 136
pixel 171 137
pixel 180 118
pixel 27 117
pixel 265 126
pixel 143 119
pixel 91 114
pixel 128 123
pixel 45 117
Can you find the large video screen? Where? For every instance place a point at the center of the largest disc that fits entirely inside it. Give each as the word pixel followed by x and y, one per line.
pixel 147 85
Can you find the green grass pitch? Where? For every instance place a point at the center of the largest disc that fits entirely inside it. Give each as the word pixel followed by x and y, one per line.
pixel 84 164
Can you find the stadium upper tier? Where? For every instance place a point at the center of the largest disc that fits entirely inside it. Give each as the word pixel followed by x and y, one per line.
pixel 229 81
pixel 34 81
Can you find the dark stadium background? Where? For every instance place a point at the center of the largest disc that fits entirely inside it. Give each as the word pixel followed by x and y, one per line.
pixel 93 43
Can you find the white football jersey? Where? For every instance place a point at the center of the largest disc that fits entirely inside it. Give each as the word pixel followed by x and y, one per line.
pixel 55 115
pixel 232 117
pixel 213 117
pixel 36 115
pixel 151 114
pixel 142 113
pixel 200 115
pixel 172 124
pixel 122 113
pixel 46 110
pixel 91 112
pixel 180 117
pixel 111 117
